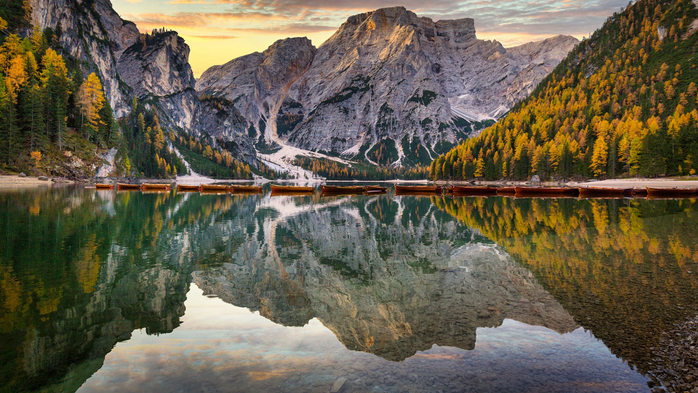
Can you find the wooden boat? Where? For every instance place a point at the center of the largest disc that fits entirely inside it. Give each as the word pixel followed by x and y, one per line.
pixel 546 191
pixel 639 192
pixel 215 187
pixel 187 188
pixel 155 187
pixel 128 187
pixel 404 190
pixel 346 190
pixel 375 188
pixel 603 192
pixel 291 190
pixel 474 190
pixel 671 192
pixel 448 190
pixel 245 189
pixel 506 191
pixel 375 191
pixel 103 186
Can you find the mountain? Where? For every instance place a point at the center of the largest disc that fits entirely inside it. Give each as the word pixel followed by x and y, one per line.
pixel 154 68
pixel 387 87
pixel 621 103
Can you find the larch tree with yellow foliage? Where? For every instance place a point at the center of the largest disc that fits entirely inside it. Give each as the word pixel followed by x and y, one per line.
pixel 90 98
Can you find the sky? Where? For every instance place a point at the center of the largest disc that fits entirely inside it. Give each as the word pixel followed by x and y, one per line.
pixel 220 30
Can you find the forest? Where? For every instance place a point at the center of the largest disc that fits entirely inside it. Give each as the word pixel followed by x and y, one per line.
pixel 623 103
pixel 47 106
pixel 55 119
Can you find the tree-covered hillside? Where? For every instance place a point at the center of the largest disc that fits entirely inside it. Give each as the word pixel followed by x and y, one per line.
pixel 622 103
pixel 55 119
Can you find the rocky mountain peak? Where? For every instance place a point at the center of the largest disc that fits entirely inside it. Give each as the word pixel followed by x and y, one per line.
pixel 386 81
pixel 286 59
pixel 456 31
pixel 157 64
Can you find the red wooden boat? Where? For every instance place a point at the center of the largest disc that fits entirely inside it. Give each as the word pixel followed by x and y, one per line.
pixel 506 191
pixel 639 192
pixel 375 188
pixel 291 190
pixel 604 192
pixel 215 187
pixel 346 190
pixel 245 189
pixel 546 191
pixel 474 190
pixel 403 190
pixel 103 186
pixel 155 187
pixel 128 187
pixel 671 192
pixel 187 188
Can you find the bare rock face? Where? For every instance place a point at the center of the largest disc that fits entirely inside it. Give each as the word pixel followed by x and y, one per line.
pixel 157 65
pixel 256 85
pixel 154 68
pixel 386 77
pixel 93 34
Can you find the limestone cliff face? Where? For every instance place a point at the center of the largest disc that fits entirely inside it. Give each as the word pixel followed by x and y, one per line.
pixel 157 67
pixel 93 34
pixel 154 68
pixel 386 74
pixel 256 85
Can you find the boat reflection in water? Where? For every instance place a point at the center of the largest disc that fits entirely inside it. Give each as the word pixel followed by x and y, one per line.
pixel 304 293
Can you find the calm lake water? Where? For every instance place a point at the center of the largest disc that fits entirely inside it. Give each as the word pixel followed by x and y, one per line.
pixel 129 292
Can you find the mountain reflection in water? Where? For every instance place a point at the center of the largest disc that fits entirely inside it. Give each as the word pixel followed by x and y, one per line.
pixel 452 294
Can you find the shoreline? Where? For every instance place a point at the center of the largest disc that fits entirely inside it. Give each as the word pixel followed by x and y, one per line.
pixel 668 182
pixel 19 182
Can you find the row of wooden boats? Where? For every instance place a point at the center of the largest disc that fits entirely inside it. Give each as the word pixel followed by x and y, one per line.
pixel 134 187
pixel 223 188
pixel 582 192
pixel 518 191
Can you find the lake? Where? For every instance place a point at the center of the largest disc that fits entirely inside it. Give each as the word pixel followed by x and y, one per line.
pixel 104 291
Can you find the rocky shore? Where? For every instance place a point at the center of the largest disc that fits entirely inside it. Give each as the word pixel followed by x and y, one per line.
pixel 676 359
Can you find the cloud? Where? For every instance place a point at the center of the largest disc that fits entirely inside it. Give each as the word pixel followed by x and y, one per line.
pixel 535 17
